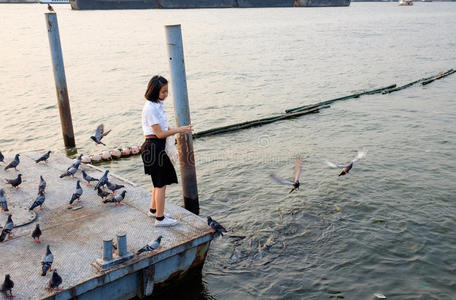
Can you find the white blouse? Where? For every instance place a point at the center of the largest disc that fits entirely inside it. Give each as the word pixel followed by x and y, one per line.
pixel 153 113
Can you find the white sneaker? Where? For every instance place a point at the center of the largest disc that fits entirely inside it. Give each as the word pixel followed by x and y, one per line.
pixel 166 222
pixel 151 214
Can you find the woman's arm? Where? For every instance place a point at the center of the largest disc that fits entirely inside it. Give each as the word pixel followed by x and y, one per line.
pixel 161 134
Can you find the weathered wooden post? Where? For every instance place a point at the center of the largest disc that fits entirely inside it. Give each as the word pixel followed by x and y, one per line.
pixel 60 79
pixel 182 112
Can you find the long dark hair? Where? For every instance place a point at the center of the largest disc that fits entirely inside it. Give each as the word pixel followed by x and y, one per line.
pixel 153 88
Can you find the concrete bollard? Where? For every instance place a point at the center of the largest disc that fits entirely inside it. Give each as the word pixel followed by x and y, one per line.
pixel 122 244
pixel 60 80
pixel 107 250
pixel 182 112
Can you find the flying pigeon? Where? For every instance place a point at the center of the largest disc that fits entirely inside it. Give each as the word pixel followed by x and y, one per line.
pixel 15 182
pixel 113 187
pixel 102 181
pixel 48 259
pixel 102 194
pixel 348 167
pixel 88 178
pixel 7 286
pixel 50 8
pixel 116 199
pixel 151 246
pixel 3 203
pixel 2 158
pixel 44 158
pixel 76 163
pixel 7 229
pixel 36 233
pixel 42 186
pixel 14 163
pixel 215 226
pixel 70 172
pixel 297 172
pixel 77 194
pixel 39 201
pixel 55 281
pixel 99 134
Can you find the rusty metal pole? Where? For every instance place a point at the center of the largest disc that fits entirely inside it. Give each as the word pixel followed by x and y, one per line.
pixel 182 112
pixel 60 80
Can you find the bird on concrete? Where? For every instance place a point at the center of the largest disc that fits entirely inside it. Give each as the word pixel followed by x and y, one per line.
pixel 14 163
pixel 297 172
pixel 39 201
pixel 44 158
pixel 347 167
pixel 215 226
pixel 48 259
pixel 70 172
pixel 99 134
pixel 77 194
pixel 7 286
pixel 42 186
pixel 102 194
pixel 151 246
pixel 76 163
pixel 15 182
pixel 88 178
pixel 55 282
pixel 2 158
pixel 36 233
pixel 102 181
pixel 116 199
pixel 7 229
pixel 3 203
pixel 50 8
pixel 113 187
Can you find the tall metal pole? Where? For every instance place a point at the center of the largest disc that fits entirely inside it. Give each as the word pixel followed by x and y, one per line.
pixel 182 111
pixel 60 79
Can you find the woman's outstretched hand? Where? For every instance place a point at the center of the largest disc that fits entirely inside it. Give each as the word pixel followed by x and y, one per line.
pixel 186 129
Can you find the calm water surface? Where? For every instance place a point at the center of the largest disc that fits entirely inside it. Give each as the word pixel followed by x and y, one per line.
pixel 394 233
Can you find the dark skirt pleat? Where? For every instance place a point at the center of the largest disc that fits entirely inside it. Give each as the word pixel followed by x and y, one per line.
pixel 157 163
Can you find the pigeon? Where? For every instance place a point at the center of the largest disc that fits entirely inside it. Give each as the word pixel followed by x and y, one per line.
pixel 103 194
pixel 113 187
pixel 2 158
pixel 14 163
pixel 42 186
pixel 3 203
pixel 48 259
pixel 99 134
pixel 297 172
pixel 70 172
pixel 346 168
pixel 36 233
pixel 39 201
pixel 15 182
pixel 116 199
pixel 7 229
pixel 50 8
pixel 76 163
pixel 215 226
pixel 44 158
pixel 88 178
pixel 55 281
pixel 7 286
pixel 102 181
pixel 77 194
pixel 151 246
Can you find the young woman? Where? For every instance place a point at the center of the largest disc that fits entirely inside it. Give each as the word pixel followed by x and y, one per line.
pixel 156 161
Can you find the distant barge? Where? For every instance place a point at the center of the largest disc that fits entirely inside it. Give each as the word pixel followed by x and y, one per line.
pixel 185 4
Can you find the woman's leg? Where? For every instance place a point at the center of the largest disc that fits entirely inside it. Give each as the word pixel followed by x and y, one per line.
pixel 160 200
pixel 153 203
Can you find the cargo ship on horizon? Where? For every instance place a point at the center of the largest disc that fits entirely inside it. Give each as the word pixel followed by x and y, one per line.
pixel 189 4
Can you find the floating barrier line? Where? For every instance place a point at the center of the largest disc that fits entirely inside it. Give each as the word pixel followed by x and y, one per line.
pixel 427 79
pixel 451 71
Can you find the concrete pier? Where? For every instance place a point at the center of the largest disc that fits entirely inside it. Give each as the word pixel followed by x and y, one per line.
pixel 77 235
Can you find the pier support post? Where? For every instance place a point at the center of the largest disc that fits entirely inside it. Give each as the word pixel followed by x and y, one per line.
pixel 60 80
pixel 182 112
pixel 122 244
pixel 107 250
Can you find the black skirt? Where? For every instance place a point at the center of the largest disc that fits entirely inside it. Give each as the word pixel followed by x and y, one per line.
pixel 157 163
